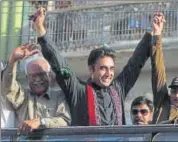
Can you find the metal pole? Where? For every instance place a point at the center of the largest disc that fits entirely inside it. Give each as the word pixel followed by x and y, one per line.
pixel 0 67
pixel 10 27
pixel 22 23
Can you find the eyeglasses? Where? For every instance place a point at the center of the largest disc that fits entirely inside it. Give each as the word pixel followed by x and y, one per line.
pixel 142 111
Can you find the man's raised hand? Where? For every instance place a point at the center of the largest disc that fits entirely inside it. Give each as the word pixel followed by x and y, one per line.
pixel 22 52
pixel 158 23
pixel 38 19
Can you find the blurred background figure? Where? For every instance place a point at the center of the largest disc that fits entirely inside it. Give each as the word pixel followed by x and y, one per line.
pixel 141 111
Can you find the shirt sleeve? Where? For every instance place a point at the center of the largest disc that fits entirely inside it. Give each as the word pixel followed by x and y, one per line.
pixel 131 71
pixel 159 86
pixel 11 89
pixel 62 118
pixel 65 77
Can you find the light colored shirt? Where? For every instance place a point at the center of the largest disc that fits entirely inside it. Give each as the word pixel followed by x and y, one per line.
pixel 7 112
pixel 52 106
pixel 7 118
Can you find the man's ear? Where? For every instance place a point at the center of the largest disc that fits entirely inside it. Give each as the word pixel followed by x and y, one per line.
pixel 131 117
pixel 91 69
pixel 151 116
pixel 26 76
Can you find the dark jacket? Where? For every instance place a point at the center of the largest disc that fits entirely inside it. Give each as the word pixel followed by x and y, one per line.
pixel 161 98
pixel 76 92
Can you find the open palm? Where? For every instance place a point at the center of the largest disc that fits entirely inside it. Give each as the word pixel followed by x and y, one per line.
pixel 22 52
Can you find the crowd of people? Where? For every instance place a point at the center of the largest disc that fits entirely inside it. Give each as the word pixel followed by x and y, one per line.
pixel 97 102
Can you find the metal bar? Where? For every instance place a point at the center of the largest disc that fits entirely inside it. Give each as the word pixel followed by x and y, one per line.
pixel 10 26
pixel 90 7
pixel 98 130
pixel 0 31
pixel 22 23
pixel 0 69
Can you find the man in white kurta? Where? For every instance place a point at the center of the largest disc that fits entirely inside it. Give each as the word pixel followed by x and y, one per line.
pixel 7 113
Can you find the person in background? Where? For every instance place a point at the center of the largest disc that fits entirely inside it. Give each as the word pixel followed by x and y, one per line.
pixel 141 111
pixel 7 111
pixel 165 103
pixel 38 105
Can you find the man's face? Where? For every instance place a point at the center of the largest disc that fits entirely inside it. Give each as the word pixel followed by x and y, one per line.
pixel 174 96
pixel 38 76
pixel 102 72
pixel 141 115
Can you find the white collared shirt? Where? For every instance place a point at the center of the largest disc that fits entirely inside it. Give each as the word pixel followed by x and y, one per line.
pixel 7 118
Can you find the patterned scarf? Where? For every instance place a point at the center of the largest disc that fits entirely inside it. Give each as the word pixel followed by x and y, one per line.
pixel 93 110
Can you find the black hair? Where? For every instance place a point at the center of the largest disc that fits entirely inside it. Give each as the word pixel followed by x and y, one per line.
pixel 142 100
pixel 99 53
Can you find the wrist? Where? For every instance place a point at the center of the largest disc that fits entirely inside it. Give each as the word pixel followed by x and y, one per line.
pixel 41 31
pixel 155 33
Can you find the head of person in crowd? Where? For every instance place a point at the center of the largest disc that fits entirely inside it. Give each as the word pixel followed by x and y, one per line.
pixel 141 111
pixel 174 92
pixel 101 63
pixel 38 72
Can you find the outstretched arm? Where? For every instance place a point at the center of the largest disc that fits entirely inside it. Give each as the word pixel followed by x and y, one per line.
pixel 64 75
pixel 159 86
pixel 10 87
pixel 131 71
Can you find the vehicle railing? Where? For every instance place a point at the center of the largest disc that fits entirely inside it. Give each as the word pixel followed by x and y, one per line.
pixel 96 130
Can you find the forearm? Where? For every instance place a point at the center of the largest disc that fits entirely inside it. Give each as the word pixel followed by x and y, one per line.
pixel 142 52
pixel 55 122
pixel 159 85
pixel 51 54
pixel 131 71
pixel 11 88
pixel 9 76
pixel 64 76
pixel 158 65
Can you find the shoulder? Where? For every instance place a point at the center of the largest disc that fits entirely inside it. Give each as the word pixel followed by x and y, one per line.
pixel 57 93
pixel 117 85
